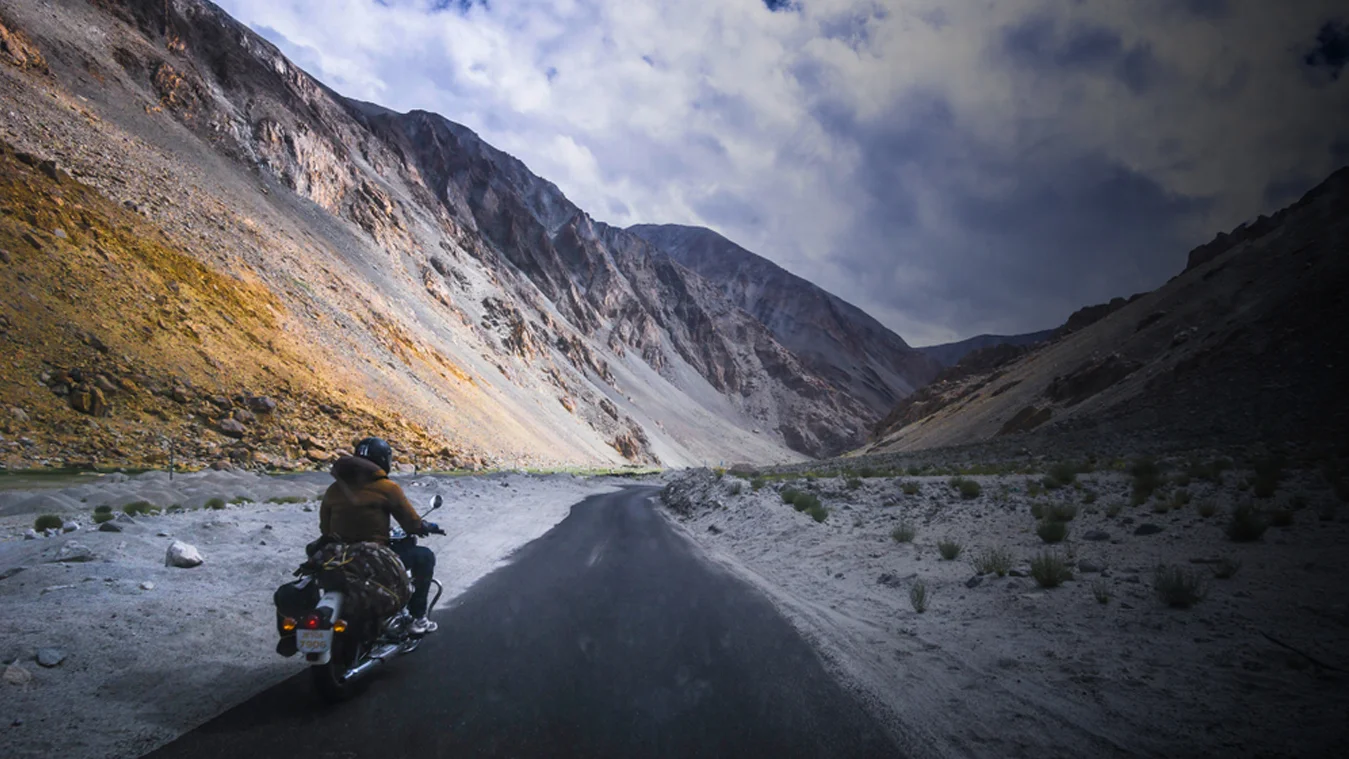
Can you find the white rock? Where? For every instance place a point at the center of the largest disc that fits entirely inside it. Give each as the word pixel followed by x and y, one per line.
pixel 73 551
pixel 70 526
pixel 16 675
pixel 182 555
pixel 147 585
pixel 30 534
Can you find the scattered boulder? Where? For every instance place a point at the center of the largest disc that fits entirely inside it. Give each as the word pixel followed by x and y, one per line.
pixel 180 394
pixel 104 384
pixel 110 526
pixel 19 414
pixel 1147 529
pixel 16 675
pixel 261 404
pixel 30 534
pixel 70 526
pixel 244 416
pixel 87 399
pixel 50 657
pixel 1096 536
pixel 147 585
pixel 74 552
pixel 182 555
pixel 1087 567
pixel 888 580
pixel 231 428
pixel 220 402
pixel 4 257
pixel 974 581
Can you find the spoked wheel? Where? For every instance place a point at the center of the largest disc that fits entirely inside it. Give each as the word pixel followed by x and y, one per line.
pixel 328 678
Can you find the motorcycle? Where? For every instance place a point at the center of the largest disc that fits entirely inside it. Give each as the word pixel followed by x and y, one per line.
pixel 340 654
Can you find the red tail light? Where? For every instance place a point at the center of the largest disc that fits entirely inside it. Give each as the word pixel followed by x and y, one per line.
pixel 312 622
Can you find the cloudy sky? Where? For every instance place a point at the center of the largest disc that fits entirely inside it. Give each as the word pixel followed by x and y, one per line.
pixel 951 167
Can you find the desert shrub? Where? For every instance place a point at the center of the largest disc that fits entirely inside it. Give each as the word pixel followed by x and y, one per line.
pixel 915 470
pixel 241 500
pixel 904 532
pixel 817 512
pixel 995 560
pixel 911 487
pixel 288 499
pixel 805 501
pixel 1207 507
pixel 789 495
pixel 1049 483
pixel 1179 588
pixel 1061 512
pixel 1281 518
pixel 853 483
pixel 970 489
pixel 1161 506
pixel 1180 499
pixel 736 488
pixel 1181 480
pixel 103 516
pixel 949 549
pixel 103 509
pixel 1100 589
pixel 1061 473
pixel 719 472
pixel 1114 509
pixel 1246 524
pixel 918 596
pixel 1225 568
pixel 1049 570
pixel 1051 531
pixel 176 508
pixel 1147 479
pixel 1210 471
pixel 48 522
pixel 1268 472
pixel 1298 501
pixel 757 484
pixel 216 504
pixel 139 507
pixel 1038 509
pixel 1034 489
pixel 1089 497
pixel 869 471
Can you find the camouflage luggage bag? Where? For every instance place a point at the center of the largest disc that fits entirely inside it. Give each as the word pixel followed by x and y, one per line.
pixel 370 576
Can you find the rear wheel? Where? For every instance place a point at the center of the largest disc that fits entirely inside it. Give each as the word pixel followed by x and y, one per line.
pixel 328 678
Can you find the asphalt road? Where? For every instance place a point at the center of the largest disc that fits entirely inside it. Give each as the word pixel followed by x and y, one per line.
pixel 606 637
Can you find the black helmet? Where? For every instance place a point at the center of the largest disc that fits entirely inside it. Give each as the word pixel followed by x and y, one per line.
pixel 377 451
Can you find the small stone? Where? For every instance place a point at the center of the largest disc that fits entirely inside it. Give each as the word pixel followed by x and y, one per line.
pixel 19 414
pixel 888 580
pixel 72 551
pixel 60 234
pixel 1124 605
pixel 1015 573
pixel 1133 580
pixel 974 582
pixel 30 534
pixel 1096 535
pixel 261 405
pixel 50 657
pixel 1088 567
pixel 4 257
pixel 244 416
pixel 715 530
pixel 147 585
pixel 16 675
pixel 1147 529
pixel 71 526
pixel 110 526
pixel 182 555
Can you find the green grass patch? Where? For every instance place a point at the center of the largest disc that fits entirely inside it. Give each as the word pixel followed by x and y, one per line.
pixel 103 509
pixel 1061 512
pixel 1051 531
pixel 139 508
pixel 904 532
pixel 215 504
pixel 288 499
pixel 918 596
pixel 1100 590
pixel 1049 570
pixel 48 522
pixel 995 560
pixel 817 512
pixel 949 549
pixel 1179 588
pixel 103 516
pixel 912 487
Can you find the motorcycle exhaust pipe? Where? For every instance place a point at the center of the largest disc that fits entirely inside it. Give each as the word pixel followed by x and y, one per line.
pixel 377 658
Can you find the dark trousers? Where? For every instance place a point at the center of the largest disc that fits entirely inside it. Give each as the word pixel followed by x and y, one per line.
pixel 421 561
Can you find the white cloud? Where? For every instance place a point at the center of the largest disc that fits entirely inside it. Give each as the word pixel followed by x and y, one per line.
pixel 950 167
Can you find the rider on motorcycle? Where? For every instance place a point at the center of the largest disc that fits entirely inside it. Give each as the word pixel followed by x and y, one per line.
pixel 357 506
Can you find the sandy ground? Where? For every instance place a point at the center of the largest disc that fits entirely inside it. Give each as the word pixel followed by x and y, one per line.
pixel 153 651
pixel 1007 669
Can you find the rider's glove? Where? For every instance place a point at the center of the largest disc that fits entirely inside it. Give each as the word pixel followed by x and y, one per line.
pixel 422 529
pixel 432 527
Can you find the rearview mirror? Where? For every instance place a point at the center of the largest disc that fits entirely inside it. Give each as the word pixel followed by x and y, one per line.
pixel 436 503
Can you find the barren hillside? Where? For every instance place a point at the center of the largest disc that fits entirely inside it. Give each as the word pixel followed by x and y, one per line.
pixel 193 224
pixel 1242 347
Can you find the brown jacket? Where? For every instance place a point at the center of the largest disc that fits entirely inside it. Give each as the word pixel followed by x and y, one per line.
pixel 358 504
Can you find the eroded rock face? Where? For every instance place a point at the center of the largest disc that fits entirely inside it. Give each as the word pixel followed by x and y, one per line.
pixel 17 50
pixel 1090 378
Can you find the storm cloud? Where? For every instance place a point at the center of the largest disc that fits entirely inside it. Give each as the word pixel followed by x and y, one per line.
pixel 952 168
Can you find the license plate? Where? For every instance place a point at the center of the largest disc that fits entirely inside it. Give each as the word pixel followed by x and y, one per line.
pixel 314 641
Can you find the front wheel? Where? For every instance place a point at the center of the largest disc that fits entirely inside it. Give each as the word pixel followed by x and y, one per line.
pixel 329 679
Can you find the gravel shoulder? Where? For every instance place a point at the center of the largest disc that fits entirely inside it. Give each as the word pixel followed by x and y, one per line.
pixel 1000 667
pixel 152 651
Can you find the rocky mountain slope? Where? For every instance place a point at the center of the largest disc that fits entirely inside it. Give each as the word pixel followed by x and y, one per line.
pixel 204 244
pixel 856 354
pixel 950 354
pixel 1245 346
